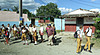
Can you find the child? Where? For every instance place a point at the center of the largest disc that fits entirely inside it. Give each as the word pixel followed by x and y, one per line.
pixel 6 36
pixel 3 32
pixel 9 31
pixel 47 28
pixel 34 34
pixel 41 32
pixel 24 35
pixel 14 30
pixel 0 32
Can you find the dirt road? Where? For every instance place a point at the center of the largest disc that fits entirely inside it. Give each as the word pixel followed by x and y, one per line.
pixel 64 46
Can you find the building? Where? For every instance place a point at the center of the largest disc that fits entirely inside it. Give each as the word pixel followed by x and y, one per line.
pixel 79 17
pixel 44 19
pixel 11 18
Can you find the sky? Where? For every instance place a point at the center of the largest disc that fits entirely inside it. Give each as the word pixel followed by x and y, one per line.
pixel 64 5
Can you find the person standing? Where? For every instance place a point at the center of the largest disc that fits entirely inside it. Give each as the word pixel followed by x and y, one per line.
pixel 6 36
pixel 15 30
pixel 34 34
pixel 88 34
pixel 79 40
pixel 30 32
pixel 50 34
pixel 41 32
pixel 9 31
pixel 54 30
pixel 47 28
pixel 3 30
pixel 23 37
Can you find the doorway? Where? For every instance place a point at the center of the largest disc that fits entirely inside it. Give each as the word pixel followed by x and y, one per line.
pixel 79 22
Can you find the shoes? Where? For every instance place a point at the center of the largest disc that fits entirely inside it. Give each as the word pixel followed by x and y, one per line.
pixel 90 51
pixel 23 43
pixel 27 44
pixel 85 49
pixel 8 44
pixel 35 43
pixel 78 52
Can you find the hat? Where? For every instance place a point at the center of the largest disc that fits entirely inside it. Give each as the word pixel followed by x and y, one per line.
pixel 49 25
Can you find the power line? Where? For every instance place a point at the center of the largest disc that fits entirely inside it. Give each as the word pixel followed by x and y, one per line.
pixel 89 2
pixel 43 2
pixel 84 4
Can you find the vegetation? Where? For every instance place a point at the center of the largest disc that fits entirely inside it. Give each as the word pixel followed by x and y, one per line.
pixel 30 15
pixel 15 9
pixel 97 26
pixel 50 9
pixel 25 11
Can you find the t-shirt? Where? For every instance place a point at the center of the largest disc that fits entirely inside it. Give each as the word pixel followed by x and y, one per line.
pixel 19 28
pixel 8 29
pixel 50 31
pixel 15 29
pixel 47 28
pixel 26 27
pixel 89 30
pixel 79 32
pixel 34 29
pixel 30 30
pixel 3 27
pixel 23 30
pixel 41 29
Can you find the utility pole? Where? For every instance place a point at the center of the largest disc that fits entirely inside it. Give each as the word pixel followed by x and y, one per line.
pixel 20 11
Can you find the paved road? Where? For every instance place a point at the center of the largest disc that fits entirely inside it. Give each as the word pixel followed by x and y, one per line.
pixel 65 46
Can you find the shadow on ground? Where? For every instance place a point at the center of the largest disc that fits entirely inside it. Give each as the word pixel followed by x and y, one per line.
pixel 82 47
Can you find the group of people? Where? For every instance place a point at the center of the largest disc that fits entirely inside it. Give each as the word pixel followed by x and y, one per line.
pixel 88 35
pixel 25 31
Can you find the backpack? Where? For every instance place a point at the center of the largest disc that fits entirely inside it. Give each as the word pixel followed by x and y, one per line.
pixel 75 34
pixel 87 31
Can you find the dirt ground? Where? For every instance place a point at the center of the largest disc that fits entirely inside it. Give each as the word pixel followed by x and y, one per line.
pixel 64 46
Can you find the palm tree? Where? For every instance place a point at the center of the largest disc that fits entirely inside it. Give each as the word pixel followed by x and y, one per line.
pixel 15 8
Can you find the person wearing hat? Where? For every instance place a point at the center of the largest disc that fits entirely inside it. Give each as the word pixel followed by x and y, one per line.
pixel 50 34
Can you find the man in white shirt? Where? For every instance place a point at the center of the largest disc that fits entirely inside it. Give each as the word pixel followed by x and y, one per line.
pixel 88 34
pixel 79 39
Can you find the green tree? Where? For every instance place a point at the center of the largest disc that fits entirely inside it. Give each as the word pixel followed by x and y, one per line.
pixel 30 15
pixel 50 9
pixel 15 8
pixel 97 26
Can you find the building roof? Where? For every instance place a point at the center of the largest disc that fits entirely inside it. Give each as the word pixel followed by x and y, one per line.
pixel 81 13
pixel 11 16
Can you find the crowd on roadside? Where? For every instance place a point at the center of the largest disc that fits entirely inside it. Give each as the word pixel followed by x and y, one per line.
pixel 24 31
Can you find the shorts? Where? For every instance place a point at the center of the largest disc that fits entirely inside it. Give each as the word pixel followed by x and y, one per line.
pixel 15 32
pixel 23 35
pixel 35 34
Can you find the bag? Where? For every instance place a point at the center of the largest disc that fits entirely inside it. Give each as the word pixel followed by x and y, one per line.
pixel 87 31
pixel 40 33
pixel 75 34
pixel 54 32
pixel 54 40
